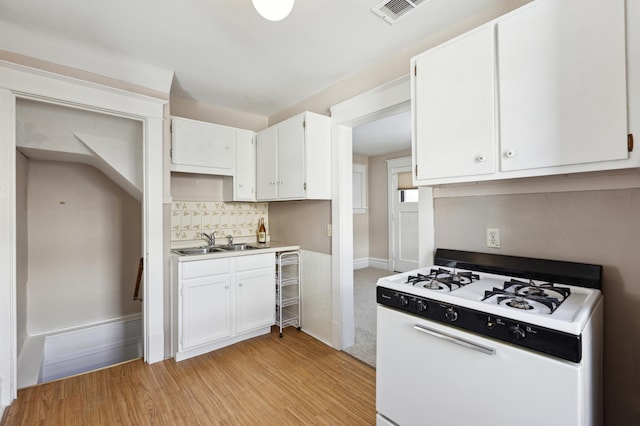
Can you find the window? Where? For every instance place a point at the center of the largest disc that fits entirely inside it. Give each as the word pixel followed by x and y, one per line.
pixel 408 195
pixel 359 188
pixel 407 192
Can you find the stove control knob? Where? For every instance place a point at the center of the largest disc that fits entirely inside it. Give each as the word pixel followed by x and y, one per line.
pixel 490 323
pixel 422 306
pixel 451 314
pixel 404 301
pixel 517 332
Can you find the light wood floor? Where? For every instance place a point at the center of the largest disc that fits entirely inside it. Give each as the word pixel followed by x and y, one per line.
pixel 295 380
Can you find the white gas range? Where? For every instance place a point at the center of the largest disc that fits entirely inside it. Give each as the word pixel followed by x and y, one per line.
pixel 485 339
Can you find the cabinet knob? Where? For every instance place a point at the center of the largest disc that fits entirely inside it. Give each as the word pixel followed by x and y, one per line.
pixel 481 158
pixel 239 185
pixel 510 154
pixel 239 284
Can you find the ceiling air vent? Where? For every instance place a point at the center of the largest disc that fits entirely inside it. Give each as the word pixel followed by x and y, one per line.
pixel 394 10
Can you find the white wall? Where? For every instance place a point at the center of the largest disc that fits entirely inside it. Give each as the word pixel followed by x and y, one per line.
pixel 361 222
pixel 188 108
pixel 84 245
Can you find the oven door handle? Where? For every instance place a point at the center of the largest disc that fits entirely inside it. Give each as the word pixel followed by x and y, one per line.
pixel 456 340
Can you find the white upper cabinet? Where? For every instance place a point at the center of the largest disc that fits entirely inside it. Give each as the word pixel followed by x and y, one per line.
pixel 562 84
pixel 291 164
pixel 267 164
pixel 539 91
pixel 199 147
pixel 242 186
pixel 294 159
pixel 454 107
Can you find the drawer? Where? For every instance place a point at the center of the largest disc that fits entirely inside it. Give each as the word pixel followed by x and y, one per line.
pixel 256 261
pixel 203 268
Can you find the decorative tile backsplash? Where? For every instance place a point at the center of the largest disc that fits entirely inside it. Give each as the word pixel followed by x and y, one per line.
pixel 190 218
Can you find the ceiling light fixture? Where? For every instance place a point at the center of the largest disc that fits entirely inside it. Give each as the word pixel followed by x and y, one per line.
pixel 273 10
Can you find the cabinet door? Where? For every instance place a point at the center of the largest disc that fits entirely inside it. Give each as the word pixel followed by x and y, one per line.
pixel 205 310
pixel 255 299
pixel 245 178
pixel 562 84
pixel 206 145
pixel 454 108
pixel 267 164
pixel 291 164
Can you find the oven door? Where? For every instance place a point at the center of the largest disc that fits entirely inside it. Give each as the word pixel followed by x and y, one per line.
pixel 433 374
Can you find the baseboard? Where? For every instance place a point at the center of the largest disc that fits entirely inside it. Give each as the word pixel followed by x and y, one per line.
pixel 370 262
pixel 218 344
pixel 378 263
pixel 293 329
pixel 361 263
pixel 92 347
pixel 75 350
pixel 30 361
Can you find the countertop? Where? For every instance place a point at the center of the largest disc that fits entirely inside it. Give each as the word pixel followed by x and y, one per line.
pixel 270 247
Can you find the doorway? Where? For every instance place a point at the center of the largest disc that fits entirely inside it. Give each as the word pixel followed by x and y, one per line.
pixel 388 99
pixel 27 83
pixel 79 240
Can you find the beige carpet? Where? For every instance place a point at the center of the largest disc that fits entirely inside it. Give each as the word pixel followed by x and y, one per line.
pixel 364 297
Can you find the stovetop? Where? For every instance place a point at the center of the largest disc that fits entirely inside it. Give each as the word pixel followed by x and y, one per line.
pixel 547 304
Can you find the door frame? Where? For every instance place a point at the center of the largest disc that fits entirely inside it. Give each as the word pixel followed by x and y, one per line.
pixel 17 81
pixel 386 100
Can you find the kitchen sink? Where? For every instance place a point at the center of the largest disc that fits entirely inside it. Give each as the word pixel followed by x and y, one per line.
pixel 198 250
pixel 217 249
pixel 238 247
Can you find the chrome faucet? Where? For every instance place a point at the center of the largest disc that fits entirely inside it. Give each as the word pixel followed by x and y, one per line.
pixel 209 237
pixel 229 240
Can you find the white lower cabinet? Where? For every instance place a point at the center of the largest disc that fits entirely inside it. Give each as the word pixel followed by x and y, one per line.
pixel 218 302
pixel 255 296
pixel 205 310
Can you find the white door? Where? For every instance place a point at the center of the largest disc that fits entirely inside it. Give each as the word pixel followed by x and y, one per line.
pixel 403 217
pixel 405 230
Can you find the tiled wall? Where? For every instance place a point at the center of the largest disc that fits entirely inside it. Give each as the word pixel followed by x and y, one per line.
pixel 190 218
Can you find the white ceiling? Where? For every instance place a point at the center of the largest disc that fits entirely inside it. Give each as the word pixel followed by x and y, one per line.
pixel 221 51
pixel 383 136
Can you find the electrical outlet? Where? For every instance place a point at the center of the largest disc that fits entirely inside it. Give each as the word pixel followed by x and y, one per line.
pixel 329 230
pixel 493 237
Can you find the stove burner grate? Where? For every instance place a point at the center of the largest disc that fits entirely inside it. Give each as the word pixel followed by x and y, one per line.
pixel 520 295
pixel 522 288
pixel 442 279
